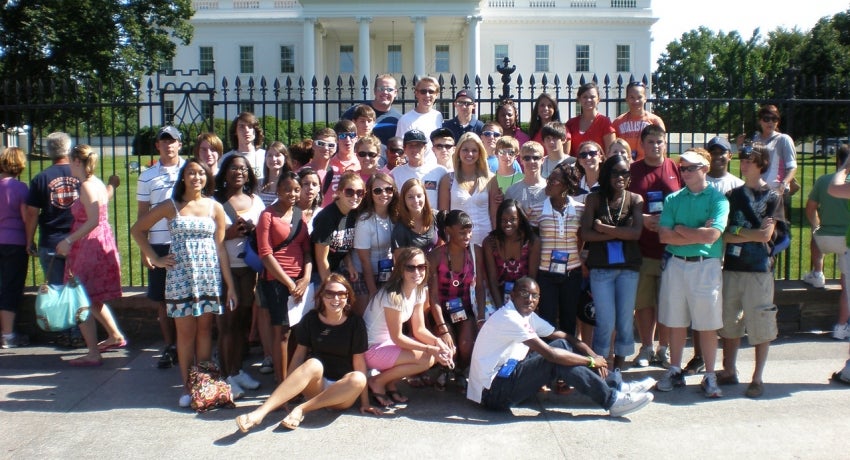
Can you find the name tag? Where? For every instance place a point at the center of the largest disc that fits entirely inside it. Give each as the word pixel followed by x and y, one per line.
pixel 733 250
pixel 558 261
pixel 456 310
pixel 509 287
pixel 655 201
pixel 385 268
pixel 615 252
pixel 507 369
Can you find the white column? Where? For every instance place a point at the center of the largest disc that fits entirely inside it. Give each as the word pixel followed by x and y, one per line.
pixel 365 52
pixel 474 47
pixel 309 62
pixel 418 45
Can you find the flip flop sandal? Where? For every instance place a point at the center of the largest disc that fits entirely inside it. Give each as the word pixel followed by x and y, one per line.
pixel 244 423
pixel 291 422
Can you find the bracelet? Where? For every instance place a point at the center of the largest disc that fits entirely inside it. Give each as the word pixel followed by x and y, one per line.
pixel 738 230
pixel 592 363
pixel 69 242
pixel 440 325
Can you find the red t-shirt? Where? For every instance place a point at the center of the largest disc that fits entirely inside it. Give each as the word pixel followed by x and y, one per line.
pixel 629 128
pixel 600 126
pixel 271 231
pixel 645 179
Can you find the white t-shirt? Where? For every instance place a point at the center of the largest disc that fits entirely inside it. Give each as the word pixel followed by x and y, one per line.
pixel 499 340
pixel 156 184
pixel 256 160
pixel 376 319
pixel 725 183
pixel 425 122
pixel 430 175
pixel 236 246
pixel 375 234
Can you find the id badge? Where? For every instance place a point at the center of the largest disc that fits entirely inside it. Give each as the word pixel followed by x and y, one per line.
pixel 558 262
pixel 456 311
pixel 733 250
pixel 509 287
pixel 615 252
pixel 507 369
pixel 656 201
pixel 664 258
pixel 385 267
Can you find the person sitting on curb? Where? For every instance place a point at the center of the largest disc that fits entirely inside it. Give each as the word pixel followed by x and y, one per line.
pixel 512 360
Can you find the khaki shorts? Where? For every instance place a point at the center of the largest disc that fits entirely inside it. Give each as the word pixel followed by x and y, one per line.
pixel 748 306
pixel 690 294
pixel 649 283
pixel 829 244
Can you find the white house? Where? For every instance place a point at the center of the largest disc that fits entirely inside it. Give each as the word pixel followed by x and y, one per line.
pixel 277 39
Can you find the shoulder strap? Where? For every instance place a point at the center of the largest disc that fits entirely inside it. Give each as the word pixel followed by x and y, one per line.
pixel 230 211
pixel 326 185
pixel 295 223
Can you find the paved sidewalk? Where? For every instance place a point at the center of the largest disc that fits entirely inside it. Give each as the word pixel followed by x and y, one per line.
pixel 128 409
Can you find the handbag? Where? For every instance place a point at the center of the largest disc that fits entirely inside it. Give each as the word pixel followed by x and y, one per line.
pixel 250 256
pixel 207 389
pixel 58 308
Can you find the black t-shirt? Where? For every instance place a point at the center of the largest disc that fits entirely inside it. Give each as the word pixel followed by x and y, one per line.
pixel 333 345
pixel 750 256
pixel 404 237
pixel 385 122
pixel 336 230
pixel 53 191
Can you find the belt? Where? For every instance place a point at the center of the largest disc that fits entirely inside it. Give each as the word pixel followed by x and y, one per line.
pixel 693 258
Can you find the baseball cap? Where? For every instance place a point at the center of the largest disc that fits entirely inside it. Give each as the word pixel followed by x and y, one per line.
pixel 464 93
pixel 718 141
pixel 414 135
pixel 694 158
pixel 169 131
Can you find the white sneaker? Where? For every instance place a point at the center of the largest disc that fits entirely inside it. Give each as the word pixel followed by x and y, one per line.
pixel 709 386
pixel 627 403
pixel 841 331
pixel 245 381
pixel 816 279
pixel 235 389
pixel 662 357
pixel 185 401
pixel 638 386
pixel 644 356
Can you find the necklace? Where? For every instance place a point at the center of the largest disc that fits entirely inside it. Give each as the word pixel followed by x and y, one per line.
pixel 455 281
pixel 616 221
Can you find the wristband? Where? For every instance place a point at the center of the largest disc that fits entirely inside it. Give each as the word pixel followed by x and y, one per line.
pixel 592 363
pixel 69 242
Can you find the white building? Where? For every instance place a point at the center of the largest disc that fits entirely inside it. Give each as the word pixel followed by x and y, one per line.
pixel 277 39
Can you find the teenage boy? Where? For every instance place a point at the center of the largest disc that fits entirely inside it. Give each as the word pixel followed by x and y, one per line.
pixel 443 146
pixel 464 120
pixel 532 189
pixel 246 140
pixel 415 147
pixel 364 119
pixel 344 160
pixel 629 125
pixel 155 186
pixel 556 143
pixel 395 152
pixel 691 225
pixel 424 117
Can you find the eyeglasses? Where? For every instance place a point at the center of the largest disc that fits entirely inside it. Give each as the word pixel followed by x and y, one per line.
pixel 342 295
pixel 621 173
pixel 240 169
pixel 350 192
pixel 531 158
pixel 367 154
pixel 327 145
pixel 691 168
pixel 385 89
pixel 415 268
pixel 381 191
pixel 507 152
pixel 523 294
pixel 444 146
pixel 588 154
pixel 465 103
pixel 424 91
pixel 769 119
pixel 342 136
pixel 491 134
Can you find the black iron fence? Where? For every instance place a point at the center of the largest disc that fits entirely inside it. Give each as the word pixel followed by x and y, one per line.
pixel 121 122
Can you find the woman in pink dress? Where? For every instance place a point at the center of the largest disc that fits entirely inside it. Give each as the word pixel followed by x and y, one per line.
pixel 92 256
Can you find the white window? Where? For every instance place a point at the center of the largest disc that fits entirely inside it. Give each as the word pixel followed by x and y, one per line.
pixel 541 58
pixel 287 59
pixel 346 58
pixel 500 52
pixel 207 62
pixel 441 58
pixel 624 58
pixel 394 58
pixel 246 59
pixel 582 58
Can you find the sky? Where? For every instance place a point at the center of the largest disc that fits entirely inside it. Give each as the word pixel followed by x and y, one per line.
pixel 679 16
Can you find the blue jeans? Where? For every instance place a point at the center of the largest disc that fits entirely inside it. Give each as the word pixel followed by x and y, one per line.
pixel 57 270
pixel 614 294
pixel 534 371
pixel 559 297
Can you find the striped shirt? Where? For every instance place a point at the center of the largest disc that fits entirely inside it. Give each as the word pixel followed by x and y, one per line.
pixel 557 232
pixel 156 185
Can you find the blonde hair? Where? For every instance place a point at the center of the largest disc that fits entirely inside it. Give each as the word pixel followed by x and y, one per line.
pixel 369 140
pixel 427 79
pixel 533 147
pixel 509 142
pixel 482 170
pixel 13 161
pixel 621 142
pixel 87 156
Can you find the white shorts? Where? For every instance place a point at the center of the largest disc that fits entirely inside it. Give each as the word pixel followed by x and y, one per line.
pixel 691 294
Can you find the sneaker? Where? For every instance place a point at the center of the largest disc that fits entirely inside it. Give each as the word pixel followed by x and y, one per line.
pixel 662 357
pixel 644 356
pixel 245 381
pixel 672 378
pixel 695 366
pixel 709 386
pixel 844 374
pixel 638 386
pixel 267 367
pixel 14 341
pixel 841 331
pixel 168 358
pixel 235 389
pixel 627 403
pixel 185 401
pixel 816 279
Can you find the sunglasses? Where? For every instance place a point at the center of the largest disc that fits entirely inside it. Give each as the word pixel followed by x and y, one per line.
pixel 415 268
pixel 465 103
pixel 491 134
pixel 350 192
pixel 745 155
pixel 531 158
pixel 397 151
pixel 507 152
pixel 342 136
pixel 426 91
pixel 444 146
pixel 622 173
pixel 588 154
pixel 342 295
pixel 638 84
pixel 365 154
pixel 769 119
pixel 327 145
pixel 386 89
pixel 381 191
pixel 691 168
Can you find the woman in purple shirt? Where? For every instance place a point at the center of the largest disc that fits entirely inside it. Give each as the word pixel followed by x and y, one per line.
pixel 13 249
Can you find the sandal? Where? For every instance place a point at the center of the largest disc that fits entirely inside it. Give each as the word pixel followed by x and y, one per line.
pixel 397 396
pixel 245 423
pixel 755 390
pixel 291 422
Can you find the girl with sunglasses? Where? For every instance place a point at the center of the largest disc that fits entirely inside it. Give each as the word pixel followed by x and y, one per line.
pixel 590 124
pixel 373 238
pixel 611 225
pixel 333 228
pixel 391 352
pixel 590 156
pixel 328 367
pixel 368 150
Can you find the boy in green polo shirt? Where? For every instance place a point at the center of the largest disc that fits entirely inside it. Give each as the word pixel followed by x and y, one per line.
pixel 691 225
